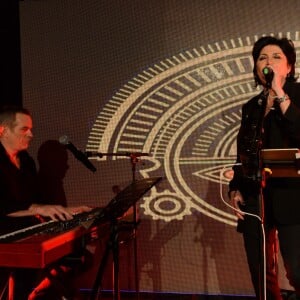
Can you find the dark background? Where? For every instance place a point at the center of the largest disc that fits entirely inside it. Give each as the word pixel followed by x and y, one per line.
pixel 10 66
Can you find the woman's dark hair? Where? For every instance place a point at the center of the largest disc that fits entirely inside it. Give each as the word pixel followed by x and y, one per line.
pixel 285 45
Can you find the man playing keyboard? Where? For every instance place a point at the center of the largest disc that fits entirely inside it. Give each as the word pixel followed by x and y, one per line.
pixel 20 200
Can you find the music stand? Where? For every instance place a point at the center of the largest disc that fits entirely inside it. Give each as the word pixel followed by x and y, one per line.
pixel 281 162
pixel 134 159
pixel 110 214
pixel 277 163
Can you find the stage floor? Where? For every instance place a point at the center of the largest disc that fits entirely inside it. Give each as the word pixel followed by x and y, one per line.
pixel 107 295
pixel 164 296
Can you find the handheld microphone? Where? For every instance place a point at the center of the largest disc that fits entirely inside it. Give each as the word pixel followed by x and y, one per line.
pixel 269 74
pixel 77 153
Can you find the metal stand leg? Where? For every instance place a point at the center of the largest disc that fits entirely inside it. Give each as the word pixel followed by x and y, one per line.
pixel 262 246
pixel 112 245
pixel 136 269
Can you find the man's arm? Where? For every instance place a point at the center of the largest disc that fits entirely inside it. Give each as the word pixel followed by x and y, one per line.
pixel 54 212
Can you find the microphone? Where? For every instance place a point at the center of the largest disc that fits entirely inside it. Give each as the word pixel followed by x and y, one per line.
pixel 64 140
pixel 269 74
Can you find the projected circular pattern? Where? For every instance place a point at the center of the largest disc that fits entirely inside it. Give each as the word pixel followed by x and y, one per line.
pixel 185 112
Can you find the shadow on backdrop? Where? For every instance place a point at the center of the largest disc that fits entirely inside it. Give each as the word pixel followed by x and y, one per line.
pixel 53 166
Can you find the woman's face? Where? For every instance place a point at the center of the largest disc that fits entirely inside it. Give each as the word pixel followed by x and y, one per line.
pixel 273 57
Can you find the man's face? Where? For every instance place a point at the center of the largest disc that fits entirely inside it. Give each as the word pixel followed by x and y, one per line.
pixel 19 136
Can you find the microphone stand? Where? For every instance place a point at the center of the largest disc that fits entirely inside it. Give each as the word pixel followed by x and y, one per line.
pixel 260 178
pixel 134 159
pixel 262 246
pixel 250 153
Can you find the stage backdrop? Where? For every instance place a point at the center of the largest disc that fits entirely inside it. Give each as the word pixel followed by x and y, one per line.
pixel 164 80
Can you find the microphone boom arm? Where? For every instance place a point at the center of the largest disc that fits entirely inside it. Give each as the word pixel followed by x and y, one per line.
pixel 123 154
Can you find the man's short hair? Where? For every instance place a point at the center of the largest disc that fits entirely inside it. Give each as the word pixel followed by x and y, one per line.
pixel 8 114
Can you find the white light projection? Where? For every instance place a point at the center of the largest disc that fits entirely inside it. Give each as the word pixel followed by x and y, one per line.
pixel 185 112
